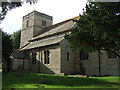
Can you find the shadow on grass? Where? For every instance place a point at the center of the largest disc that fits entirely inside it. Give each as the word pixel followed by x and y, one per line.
pixel 40 79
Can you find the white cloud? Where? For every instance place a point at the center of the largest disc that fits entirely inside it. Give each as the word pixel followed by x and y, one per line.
pixel 59 9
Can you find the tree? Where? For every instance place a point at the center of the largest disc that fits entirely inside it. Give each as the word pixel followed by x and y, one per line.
pixel 6 6
pixel 7 46
pixel 7 49
pixel 16 39
pixel 98 28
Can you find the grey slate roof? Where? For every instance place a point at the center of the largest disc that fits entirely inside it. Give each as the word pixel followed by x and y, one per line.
pixel 59 27
pixel 20 55
pixel 42 43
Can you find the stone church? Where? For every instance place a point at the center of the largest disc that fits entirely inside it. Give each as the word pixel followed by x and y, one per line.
pixel 43 49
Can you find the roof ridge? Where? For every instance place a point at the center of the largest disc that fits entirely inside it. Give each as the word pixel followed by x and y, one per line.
pixel 60 23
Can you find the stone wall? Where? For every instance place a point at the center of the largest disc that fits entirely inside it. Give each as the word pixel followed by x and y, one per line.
pixel 16 64
pixel 91 66
pixel 52 68
pixel 108 66
pixel 67 66
pixel 26 35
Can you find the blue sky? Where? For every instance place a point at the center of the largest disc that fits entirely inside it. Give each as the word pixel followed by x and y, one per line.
pixel 59 9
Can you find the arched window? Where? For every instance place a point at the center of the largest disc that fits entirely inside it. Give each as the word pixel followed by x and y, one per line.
pixel 68 56
pixel 46 57
pixel 33 58
pixel 83 55
pixel 111 55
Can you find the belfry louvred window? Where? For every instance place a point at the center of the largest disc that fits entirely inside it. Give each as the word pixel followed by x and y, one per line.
pixel 27 23
pixel 43 23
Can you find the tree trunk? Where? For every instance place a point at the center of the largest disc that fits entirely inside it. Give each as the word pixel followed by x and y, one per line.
pixel 99 64
pixel 118 66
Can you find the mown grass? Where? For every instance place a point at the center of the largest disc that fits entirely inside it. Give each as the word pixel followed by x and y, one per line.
pixel 36 80
pixel 0 80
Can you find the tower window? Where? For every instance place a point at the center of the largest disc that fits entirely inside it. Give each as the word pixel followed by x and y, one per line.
pixel 43 23
pixel 83 55
pixel 27 23
pixel 46 57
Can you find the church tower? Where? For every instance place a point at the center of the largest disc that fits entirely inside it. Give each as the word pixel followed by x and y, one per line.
pixel 32 24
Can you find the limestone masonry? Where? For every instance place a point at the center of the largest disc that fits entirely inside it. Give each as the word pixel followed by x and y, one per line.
pixel 44 49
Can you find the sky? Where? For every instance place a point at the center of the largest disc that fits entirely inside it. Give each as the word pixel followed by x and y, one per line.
pixel 60 10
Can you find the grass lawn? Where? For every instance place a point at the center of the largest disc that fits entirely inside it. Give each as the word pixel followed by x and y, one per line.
pixel 36 80
pixel 0 80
